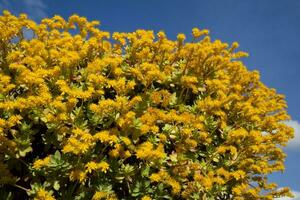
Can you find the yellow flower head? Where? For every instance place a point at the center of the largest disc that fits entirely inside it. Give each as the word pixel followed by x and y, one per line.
pixel 38 164
pixel 42 194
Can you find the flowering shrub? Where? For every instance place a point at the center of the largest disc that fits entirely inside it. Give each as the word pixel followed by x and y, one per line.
pixel 137 116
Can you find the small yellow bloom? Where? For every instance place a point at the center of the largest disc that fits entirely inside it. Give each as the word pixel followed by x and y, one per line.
pixel 93 166
pixel 197 33
pixel 103 166
pixel 181 37
pixel 38 164
pixel 99 195
pixel 42 194
pixel 79 175
pixel 155 177
pixel 146 198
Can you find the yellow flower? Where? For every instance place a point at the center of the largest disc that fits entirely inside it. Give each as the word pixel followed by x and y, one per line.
pixel 174 184
pixel 197 33
pixel 126 140
pixel 164 177
pixel 181 37
pixel 42 194
pixel 13 120
pixel 93 166
pixel 239 189
pixel 76 146
pixel 222 172
pixel 239 174
pixel 146 198
pixel 147 152
pixel 207 182
pixel 103 166
pixel 190 82
pixel 155 177
pixel 78 175
pixel 99 195
pixel 163 138
pixel 126 154
pixel 105 137
pixel 38 164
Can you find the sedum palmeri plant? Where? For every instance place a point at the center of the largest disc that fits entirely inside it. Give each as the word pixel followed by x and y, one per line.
pixel 134 116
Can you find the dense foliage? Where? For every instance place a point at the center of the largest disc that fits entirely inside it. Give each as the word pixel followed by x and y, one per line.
pixel 137 116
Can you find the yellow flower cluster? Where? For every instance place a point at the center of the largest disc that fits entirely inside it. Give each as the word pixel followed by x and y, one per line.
pixel 78 175
pixel 77 93
pixel 164 177
pixel 38 164
pixel 146 151
pixel 106 137
pixel 189 116
pixel 5 84
pixel 162 97
pixel 79 142
pixel 42 194
pixel 93 166
pixel 99 195
pixel 146 198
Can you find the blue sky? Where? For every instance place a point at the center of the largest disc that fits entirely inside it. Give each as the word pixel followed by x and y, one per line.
pixel 268 30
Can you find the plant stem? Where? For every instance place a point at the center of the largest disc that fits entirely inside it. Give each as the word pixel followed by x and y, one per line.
pixel 20 187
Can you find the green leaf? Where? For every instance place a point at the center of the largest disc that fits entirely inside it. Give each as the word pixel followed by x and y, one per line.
pixel 120 178
pixel 173 99
pixel 57 155
pixel 23 152
pixel 167 127
pixel 56 185
pixel 137 123
pixel 145 172
pixel 215 159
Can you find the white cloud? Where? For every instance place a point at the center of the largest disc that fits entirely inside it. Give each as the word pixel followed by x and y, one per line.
pixel 295 142
pixel 296 194
pixel 35 9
